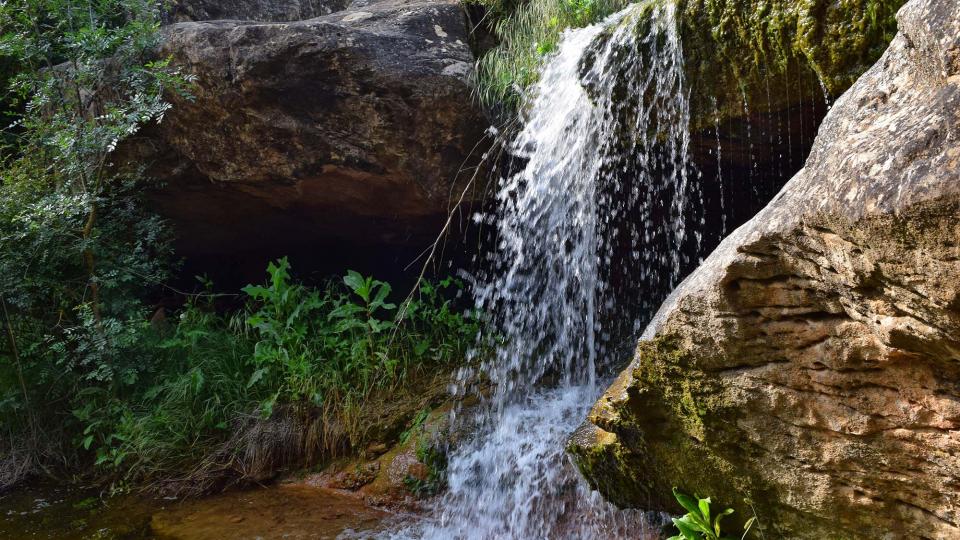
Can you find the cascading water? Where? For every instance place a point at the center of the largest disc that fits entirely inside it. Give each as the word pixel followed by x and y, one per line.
pixel 603 193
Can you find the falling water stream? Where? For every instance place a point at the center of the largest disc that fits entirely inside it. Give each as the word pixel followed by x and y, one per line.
pixel 604 165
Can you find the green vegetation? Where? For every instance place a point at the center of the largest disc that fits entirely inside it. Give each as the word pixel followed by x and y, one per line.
pixel 527 32
pixel 76 247
pixel 689 409
pixel 94 376
pixel 429 448
pixel 435 460
pixel 770 54
pixel 698 524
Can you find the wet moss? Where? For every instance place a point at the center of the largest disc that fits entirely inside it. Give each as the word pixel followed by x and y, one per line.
pixel 745 56
pixel 767 55
pixel 667 434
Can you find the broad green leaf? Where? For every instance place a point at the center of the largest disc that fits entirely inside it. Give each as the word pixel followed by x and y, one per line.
pixel 257 376
pixel 704 506
pixel 357 284
pixel 688 532
pixel 686 502
pixel 383 289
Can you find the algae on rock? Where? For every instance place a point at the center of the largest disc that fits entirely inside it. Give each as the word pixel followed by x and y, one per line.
pixel 744 56
pixel 769 53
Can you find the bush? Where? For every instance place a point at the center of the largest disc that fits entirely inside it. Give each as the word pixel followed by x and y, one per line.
pixel 302 358
pixel 85 376
pixel 699 524
pixel 78 252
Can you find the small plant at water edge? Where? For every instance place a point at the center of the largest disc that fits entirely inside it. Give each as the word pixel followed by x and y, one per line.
pixel 699 524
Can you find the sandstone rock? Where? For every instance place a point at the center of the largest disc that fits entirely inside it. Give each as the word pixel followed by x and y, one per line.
pixel 812 363
pixel 349 128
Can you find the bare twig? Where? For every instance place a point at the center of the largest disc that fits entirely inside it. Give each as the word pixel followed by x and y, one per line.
pixel 432 249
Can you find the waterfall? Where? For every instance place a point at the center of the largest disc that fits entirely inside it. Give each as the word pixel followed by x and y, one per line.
pixel 603 195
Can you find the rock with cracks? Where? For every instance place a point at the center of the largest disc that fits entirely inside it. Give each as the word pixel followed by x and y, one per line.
pixel 353 128
pixel 808 372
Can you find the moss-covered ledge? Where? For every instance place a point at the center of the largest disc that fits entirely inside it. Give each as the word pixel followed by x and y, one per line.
pixel 666 397
pixel 762 56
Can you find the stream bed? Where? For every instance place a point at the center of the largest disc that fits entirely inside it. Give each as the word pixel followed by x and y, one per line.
pixel 286 511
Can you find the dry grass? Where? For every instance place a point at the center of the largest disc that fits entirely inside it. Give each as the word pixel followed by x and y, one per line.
pixel 300 436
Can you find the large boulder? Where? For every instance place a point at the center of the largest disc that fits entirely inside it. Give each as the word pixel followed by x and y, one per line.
pixel 809 371
pixel 251 10
pixel 350 129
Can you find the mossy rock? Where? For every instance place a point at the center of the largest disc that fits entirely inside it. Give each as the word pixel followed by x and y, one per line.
pixel 686 410
pixel 746 56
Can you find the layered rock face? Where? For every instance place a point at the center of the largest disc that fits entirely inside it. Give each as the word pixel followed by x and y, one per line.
pixel 809 371
pixel 350 128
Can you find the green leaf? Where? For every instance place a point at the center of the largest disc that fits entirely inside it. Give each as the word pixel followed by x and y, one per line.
pixel 257 376
pixel 686 502
pixel 716 522
pixel 747 526
pixel 357 284
pixel 196 380
pixel 383 289
pixel 256 291
pixel 688 532
pixel 87 441
pixel 695 518
pixel 704 507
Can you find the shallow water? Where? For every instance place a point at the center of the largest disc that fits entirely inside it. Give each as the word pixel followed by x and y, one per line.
pixel 285 511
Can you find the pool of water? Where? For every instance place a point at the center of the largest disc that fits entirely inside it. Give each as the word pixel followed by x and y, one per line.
pixel 285 511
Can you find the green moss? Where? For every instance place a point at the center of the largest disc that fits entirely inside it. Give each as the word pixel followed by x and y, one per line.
pixel 669 433
pixel 768 53
pixel 776 53
pixel 609 467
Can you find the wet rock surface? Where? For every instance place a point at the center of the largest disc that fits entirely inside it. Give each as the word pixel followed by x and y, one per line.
pixel 286 511
pixel 345 129
pixel 811 364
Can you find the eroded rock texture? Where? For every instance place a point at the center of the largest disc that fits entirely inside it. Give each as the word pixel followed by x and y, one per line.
pixel 348 129
pixel 812 363
pixel 251 10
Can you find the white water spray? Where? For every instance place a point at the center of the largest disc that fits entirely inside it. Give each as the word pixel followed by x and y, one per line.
pixel 605 149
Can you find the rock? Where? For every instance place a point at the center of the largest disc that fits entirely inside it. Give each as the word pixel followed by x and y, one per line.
pixel 741 58
pixel 351 129
pixel 375 450
pixel 812 363
pixel 350 479
pixel 252 10
pixel 759 81
pixel 418 471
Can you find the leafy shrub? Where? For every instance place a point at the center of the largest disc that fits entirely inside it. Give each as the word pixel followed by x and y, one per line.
pixel 85 376
pixel 317 345
pixel 291 348
pixel 78 253
pixel 698 523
